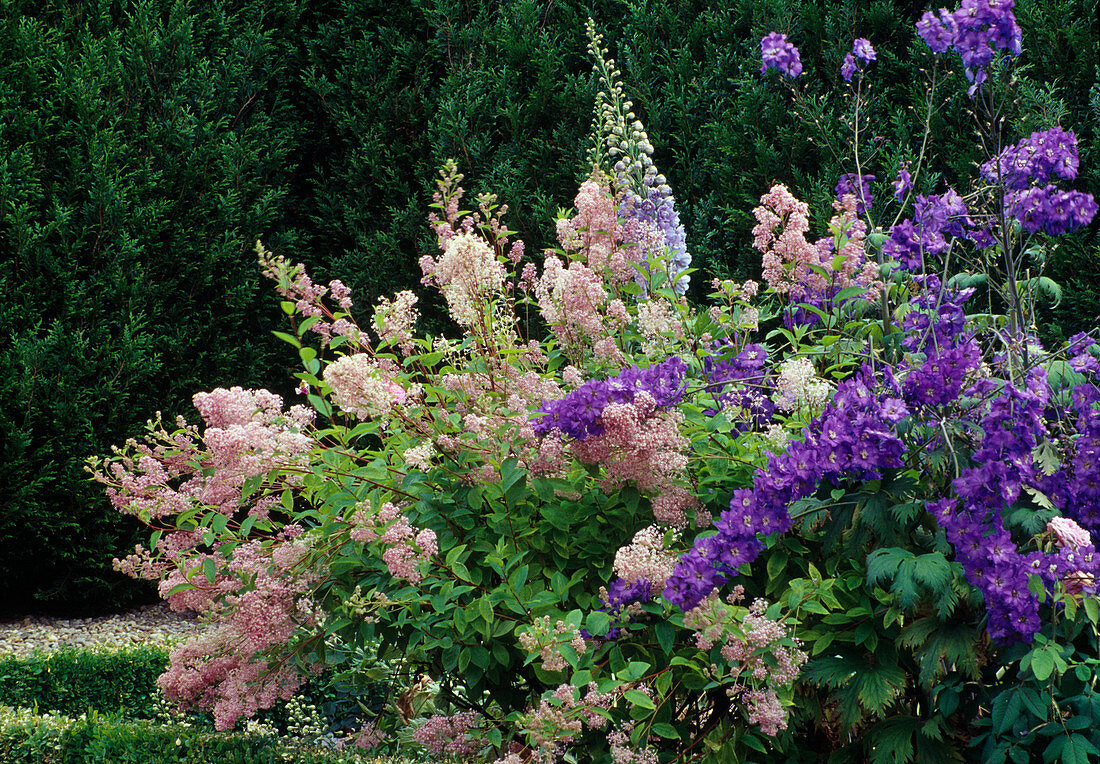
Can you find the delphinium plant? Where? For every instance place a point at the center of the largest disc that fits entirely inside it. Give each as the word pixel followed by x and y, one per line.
pixel 838 515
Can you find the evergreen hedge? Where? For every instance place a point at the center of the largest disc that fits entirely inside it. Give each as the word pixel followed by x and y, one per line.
pixel 145 146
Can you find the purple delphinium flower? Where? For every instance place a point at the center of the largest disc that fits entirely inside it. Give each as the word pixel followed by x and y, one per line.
pixel 1050 209
pixel 658 211
pixel 850 438
pixel 740 382
pixel 1012 423
pixel 847 185
pixel 1033 160
pixel 862 52
pixel 976 30
pixel 937 216
pixel 938 32
pixel 776 53
pixel 1025 168
pixel 578 413
pixel 903 185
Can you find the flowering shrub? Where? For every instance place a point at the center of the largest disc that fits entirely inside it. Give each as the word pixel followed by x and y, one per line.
pixel 560 533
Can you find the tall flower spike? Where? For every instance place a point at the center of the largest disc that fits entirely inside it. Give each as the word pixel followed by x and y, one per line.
pixel 648 207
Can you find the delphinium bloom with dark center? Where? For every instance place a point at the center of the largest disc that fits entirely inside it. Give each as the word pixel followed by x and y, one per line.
pixel 861 191
pixel 741 383
pixel 578 413
pixel 779 54
pixel 935 328
pixel 1013 423
pixel 1035 160
pixel 975 30
pixel 1024 171
pixel 1050 209
pixel 853 437
pixel 914 242
pixel 861 52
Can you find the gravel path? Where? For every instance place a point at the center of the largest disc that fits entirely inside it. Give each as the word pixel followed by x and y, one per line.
pixel 152 624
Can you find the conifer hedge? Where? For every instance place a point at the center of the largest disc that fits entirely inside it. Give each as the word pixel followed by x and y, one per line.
pixel 145 146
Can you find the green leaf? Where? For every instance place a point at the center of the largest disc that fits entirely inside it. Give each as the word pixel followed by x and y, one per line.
pixel 665 730
pixel 599 623
pixel 485 608
pixel 665 634
pixel 640 699
pixel 1042 663
pixel 882 564
pixel 933 570
pixel 634 671
pixel 453 554
pixel 1079 750
pixel 288 338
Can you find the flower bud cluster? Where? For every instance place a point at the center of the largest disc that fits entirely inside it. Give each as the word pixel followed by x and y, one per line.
pixel 405 547
pixel 364 387
pixel 308 299
pixel 546 640
pixel 648 207
pixel 446 736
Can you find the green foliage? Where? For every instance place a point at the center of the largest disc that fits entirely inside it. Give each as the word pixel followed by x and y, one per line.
pixel 95 737
pixel 71 681
pixel 143 150
pixel 141 153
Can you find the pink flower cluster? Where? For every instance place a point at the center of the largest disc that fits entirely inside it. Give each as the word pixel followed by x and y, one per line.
pixel 572 300
pixel 622 752
pixel 546 640
pixel 362 387
pixel 645 558
pixel 595 231
pixel 780 235
pixel 448 735
pixel 469 275
pixel 641 444
pixel 394 320
pixel 369 735
pixel 295 285
pixel 761 656
pixel 1068 533
pixel 563 716
pixel 247 435
pixel 235 669
pixel 405 547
